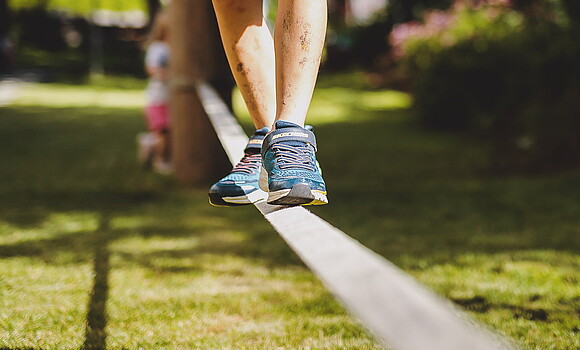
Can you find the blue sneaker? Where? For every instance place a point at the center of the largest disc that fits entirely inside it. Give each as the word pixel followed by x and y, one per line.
pixel 294 177
pixel 241 187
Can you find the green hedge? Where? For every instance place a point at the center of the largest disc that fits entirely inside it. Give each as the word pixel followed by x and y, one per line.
pixel 515 82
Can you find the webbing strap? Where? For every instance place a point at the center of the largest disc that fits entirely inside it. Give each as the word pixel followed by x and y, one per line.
pixel 390 303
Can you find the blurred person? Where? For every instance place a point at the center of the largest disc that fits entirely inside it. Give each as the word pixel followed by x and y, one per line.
pixel 276 77
pixel 154 146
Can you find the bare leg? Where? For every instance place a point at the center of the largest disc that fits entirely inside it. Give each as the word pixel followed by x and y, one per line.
pixel 299 40
pixel 250 50
pixel 276 78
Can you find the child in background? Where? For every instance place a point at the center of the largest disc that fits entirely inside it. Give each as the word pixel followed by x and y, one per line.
pixel 154 146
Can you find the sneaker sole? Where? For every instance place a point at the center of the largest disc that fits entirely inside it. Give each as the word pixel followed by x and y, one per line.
pixel 299 194
pixel 217 200
pixel 263 181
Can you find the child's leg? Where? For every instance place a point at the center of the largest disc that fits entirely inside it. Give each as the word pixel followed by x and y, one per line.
pixel 250 50
pixel 161 161
pixel 163 145
pixel 289 151
pixel 299 40
pixel 157 118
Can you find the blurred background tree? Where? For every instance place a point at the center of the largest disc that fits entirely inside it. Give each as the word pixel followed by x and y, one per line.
pixel 66 39
pixel 5 54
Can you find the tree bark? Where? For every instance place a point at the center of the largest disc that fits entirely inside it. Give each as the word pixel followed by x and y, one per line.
pixel 4 18
pixel 5 55
pixel 196 54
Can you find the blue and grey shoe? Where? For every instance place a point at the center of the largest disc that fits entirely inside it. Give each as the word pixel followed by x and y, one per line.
pixel 289 161
pixel 240 187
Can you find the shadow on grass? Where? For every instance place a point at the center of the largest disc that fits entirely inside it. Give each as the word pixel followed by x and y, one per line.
pixel 95 335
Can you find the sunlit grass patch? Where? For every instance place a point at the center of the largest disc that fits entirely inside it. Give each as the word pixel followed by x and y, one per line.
pixel 385 100
pixel 63 95
pixel 341 103
pixel 56 224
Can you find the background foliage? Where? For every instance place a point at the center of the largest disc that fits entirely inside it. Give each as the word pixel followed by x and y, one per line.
pixel 63 38
pixel 506 71
pixel 81 7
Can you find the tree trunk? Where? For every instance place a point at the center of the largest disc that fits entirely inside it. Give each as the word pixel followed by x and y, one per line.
pixel 4 29
pixel 4 18
pixel 342 13
pixel 196 54
pixel 153 7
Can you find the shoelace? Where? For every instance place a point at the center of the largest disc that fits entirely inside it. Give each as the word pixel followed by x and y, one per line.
pixel 249 163
pixel 294 157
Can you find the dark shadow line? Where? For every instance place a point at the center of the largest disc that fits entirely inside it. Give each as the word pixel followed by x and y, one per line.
pixel 96 321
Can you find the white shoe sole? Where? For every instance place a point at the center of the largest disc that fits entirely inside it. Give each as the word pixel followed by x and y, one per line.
pixel 300 194
pixel 254 197
pixel 263 181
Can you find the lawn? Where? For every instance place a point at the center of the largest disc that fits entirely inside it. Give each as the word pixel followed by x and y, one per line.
pixel 94 250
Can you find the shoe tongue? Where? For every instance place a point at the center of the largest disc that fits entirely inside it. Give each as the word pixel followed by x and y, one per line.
pixel 281 124
pixel 262 132
pixel 303 135
pixel 255 143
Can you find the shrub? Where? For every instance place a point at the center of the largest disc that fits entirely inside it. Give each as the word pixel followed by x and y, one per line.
pixel 513 79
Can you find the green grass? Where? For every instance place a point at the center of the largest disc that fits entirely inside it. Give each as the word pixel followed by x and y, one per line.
pixel 88 238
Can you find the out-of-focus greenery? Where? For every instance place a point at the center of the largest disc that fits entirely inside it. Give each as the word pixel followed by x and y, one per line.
pixel 61 48
pixel 363 45
pixel 80 7
pixel 512 76
pixel 71 65
pixel 400 11
pixel 476 26
pixel 272 8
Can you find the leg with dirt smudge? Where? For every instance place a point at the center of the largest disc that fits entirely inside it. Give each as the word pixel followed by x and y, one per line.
pixel 250 50
pixel 299 39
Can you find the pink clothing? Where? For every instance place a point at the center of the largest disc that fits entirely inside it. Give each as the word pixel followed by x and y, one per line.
pixel 157 117
pixel 157 56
